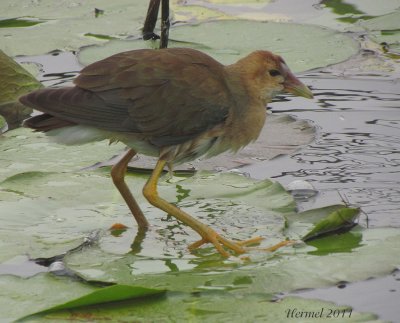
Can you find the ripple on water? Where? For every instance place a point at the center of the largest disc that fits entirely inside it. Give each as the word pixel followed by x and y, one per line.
pixel 357 151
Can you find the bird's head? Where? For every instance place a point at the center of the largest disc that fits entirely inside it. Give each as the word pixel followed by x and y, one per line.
pixel 267 74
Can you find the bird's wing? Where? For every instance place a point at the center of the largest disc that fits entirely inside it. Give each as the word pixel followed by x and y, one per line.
pixel 77 106
pixel 169 96
pixel 166 93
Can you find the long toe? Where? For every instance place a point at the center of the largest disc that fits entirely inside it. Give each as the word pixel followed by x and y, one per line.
pixel 222 244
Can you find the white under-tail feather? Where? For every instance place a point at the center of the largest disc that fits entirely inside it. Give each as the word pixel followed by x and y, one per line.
pixel 77 135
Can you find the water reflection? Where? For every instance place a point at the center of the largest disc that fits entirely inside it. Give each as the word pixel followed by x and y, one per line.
pixel 52 73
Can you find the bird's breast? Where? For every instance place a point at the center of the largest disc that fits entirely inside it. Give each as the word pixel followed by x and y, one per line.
pixel 236 133
pixel 244 128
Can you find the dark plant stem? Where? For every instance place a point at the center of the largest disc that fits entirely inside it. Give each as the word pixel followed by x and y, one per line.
pixel 151 20
pixel 165 23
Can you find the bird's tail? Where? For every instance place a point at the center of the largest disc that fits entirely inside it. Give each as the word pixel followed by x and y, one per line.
pixel 46 122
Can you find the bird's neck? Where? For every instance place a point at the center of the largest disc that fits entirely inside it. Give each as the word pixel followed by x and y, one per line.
pixel 248 112
pixel 243 80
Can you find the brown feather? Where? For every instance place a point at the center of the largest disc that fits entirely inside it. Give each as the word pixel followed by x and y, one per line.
pixel 169 95
pixel 179 102
pixel 46 122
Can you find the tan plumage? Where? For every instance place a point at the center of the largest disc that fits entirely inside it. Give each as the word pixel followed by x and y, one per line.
pixel 177 104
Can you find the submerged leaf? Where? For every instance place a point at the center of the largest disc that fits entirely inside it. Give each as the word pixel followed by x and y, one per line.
pixel 19 22
pixel 100 36
pixel 342 219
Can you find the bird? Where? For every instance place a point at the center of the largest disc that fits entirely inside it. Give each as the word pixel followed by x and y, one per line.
pixel 176 104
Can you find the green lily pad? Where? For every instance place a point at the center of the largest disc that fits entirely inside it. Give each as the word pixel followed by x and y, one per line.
pixel 332 244
pixel 211 307
pixel 14 82
pixel 51 177
pixel 252 10
pixel 339 219
pixel 20 297
pixel 385 22
pixel 3 125
pixel 50 203
pixel 227 41
pixel 385 29
pixel 182 12
pixel 106 295
pixel 48 208
pixel 23 150
pixel 285 270
pixel 67 23
pixel 238 1
pixel 347 15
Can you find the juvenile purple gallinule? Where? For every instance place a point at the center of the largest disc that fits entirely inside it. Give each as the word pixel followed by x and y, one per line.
pixel 176 104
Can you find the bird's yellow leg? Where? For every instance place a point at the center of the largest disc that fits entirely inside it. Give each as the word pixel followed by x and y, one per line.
pixel 207 234
pixel 118 172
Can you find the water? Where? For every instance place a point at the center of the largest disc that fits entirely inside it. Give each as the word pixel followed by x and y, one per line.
pixel 356 155
pixel 357 149
pixel 378 295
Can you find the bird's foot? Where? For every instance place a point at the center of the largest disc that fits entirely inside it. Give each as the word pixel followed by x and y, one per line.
pixel 238 247
pixel 210 236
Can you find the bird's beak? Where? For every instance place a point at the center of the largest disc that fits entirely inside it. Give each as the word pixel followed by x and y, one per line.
pixel 293 85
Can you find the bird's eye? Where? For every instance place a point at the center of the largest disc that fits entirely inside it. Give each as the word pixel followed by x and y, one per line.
pixel 274 73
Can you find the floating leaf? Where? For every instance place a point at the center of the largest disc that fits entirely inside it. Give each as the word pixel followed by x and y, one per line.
pixel 336 243
pixel 211 306
pixel 229 40
pixel 21 297
pixel 344 15
pixel 45 213
pixel 103 296
pixel 14 82
pixel 385 29
pixel 342 219
pixel 195 13
pixel 3 125
pixel 69 21
pixel 239 1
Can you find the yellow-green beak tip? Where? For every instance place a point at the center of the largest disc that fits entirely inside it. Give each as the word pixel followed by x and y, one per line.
pixel 301 90
pixel 294 86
